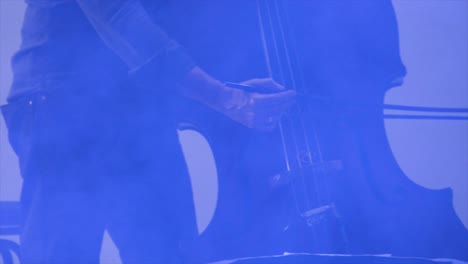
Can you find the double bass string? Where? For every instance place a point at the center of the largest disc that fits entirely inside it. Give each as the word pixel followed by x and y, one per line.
pixel 287 81
pixel 301 174
pixel 318 174
pixel 270 72
pixel 295 81
pixel 308 156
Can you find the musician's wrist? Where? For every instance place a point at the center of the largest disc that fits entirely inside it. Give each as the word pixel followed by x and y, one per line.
pixel 200 86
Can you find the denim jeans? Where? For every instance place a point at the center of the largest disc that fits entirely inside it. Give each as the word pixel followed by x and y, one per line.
pixel 95 151
pixel 92 163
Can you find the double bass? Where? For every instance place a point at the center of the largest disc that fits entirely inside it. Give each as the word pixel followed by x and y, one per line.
pixel 325 181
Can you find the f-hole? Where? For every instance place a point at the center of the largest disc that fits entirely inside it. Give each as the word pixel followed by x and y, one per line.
pixel 203 173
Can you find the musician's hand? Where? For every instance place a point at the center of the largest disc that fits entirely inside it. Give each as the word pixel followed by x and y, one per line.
pixel 257 110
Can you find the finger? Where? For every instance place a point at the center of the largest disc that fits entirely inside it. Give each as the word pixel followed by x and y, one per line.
pixel 266 125
pixel 271 111
pixel 266 122
pixel 266 84
pixel 258 101
pixel 245 118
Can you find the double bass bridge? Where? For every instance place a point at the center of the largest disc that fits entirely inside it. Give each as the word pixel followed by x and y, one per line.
pixel 317 215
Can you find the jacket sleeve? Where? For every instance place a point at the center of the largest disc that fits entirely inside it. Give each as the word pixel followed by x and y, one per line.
pixel 127 29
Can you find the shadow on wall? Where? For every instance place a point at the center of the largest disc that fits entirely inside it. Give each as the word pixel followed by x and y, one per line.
pixel 434 47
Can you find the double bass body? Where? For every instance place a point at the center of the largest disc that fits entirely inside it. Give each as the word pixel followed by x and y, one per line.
pixel 347 52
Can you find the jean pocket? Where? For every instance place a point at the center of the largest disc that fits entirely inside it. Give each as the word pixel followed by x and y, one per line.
pixel 19 119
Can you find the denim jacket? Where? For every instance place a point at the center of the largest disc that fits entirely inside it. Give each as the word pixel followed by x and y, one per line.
pixel 103 41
